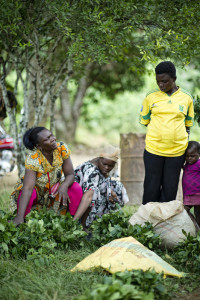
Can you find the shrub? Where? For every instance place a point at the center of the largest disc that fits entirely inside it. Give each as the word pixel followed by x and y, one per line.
pixel 43 232
pixel 115 225
pixel 187 252
pixel 136 284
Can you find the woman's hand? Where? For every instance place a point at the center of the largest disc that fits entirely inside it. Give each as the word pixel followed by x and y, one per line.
pixel 63 195
pixel 113 197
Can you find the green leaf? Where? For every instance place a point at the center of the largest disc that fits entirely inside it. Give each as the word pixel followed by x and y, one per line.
pixel 5 247
pixel 2 227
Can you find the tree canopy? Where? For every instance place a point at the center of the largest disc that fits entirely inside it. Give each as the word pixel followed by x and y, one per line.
pixel 100 43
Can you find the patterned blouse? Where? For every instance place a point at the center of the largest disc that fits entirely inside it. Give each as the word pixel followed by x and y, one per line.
pixel 37 162
pixel 90 178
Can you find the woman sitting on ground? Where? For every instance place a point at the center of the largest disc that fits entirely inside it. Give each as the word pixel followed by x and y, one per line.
pixel 100 192
pixel 43 183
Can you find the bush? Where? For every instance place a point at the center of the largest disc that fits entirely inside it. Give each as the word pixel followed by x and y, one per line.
pixel 187 252
pixel 43 232
pixel 115 225
pixel 197 110
pixel 136 284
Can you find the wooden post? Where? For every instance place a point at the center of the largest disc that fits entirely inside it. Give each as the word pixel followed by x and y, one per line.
pixel 132 166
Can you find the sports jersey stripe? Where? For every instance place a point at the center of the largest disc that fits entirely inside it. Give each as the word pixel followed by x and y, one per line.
pixel 147 117
pixel 186 92
pixel 188 118
pixel 152 91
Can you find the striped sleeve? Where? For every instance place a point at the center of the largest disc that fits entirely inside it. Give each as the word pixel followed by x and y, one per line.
pixel 189 120
pixel 145 114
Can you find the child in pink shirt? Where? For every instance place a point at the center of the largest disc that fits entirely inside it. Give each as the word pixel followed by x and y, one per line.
pixel 191 179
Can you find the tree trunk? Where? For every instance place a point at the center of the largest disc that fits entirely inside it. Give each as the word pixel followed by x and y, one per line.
pixel 69 113
pixel 64 122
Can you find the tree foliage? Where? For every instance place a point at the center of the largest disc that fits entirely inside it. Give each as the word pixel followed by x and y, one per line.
pixel 97 43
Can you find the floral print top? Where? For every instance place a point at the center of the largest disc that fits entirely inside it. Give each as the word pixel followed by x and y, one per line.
pixel 37 162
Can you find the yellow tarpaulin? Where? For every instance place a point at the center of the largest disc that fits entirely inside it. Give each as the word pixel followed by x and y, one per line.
pixel 126 254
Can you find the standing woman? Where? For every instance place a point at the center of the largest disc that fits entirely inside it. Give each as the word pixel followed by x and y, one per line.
pixel 168 114
pixel 43 183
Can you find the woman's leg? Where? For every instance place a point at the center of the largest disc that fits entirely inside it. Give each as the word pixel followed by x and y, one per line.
pixel 171 174
pixel 75 194
pixel 84 218
pixel 33 201
pixel 153 177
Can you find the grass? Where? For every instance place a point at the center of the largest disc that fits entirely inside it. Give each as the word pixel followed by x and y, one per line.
pixel 23 279
pixel 5 199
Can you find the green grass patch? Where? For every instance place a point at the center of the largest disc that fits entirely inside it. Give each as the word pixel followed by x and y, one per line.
pixel 22 279
pixel 5 199
pixel 36 259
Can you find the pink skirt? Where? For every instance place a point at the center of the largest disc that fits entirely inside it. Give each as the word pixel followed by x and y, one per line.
pixel 75 194
pixel 191 199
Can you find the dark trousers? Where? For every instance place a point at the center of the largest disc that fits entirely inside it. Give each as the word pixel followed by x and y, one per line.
pixel 161 177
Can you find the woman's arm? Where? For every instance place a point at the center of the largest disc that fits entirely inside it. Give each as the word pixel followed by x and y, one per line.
pixel 68 171
pixel 28 186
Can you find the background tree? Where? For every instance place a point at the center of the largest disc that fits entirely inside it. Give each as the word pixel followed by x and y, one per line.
pixel 50 42
pixel 110 79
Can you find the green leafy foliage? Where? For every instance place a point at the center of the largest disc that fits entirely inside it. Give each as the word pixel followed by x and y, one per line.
pixel 114 290
pixel 33 277
pixel 38 238
pixel 100 30
pixel 197 110
pixel 8 235
pixel 130 285
pixel 115 225
pixel 106 43
pixel 187 253
pixel 147 281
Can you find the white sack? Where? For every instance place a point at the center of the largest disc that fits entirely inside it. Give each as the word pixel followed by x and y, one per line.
pixel 168 219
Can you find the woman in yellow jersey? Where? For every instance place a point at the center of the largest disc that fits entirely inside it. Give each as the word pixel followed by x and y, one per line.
pixel 168 114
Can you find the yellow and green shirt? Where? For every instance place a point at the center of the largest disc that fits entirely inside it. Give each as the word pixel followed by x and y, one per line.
pixel 167 118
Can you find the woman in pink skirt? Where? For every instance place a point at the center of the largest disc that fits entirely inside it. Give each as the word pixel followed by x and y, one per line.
pixel 191 179
pixel 48 179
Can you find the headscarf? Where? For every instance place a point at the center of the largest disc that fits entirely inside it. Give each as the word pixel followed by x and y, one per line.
pixel 110 152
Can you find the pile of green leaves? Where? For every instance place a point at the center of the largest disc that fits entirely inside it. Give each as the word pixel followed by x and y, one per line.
pixel 136 284
pixel 115 225
pixel 187 253
pixel 43 232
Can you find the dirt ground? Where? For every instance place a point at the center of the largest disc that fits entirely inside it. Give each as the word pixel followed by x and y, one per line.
pixel 195 295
